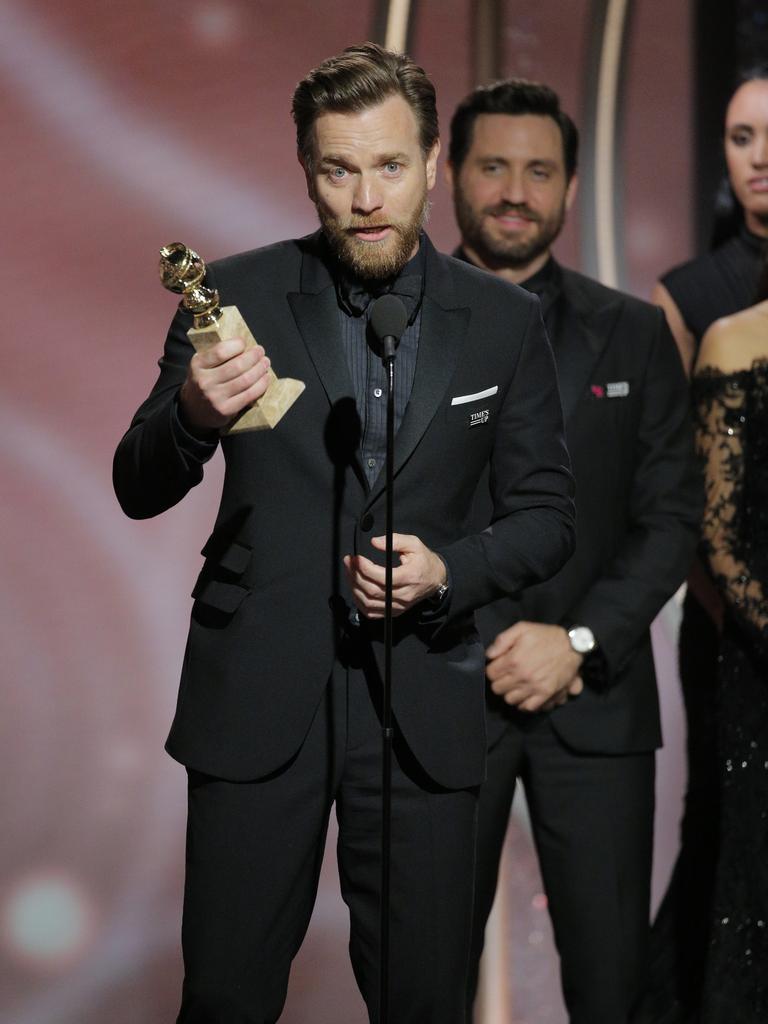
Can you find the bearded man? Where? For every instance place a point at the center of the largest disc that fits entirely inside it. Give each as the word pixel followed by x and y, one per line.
pixel 279 705
pixel 572 702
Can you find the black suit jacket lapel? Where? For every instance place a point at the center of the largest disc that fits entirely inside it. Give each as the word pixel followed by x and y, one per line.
pixel 584 332
pixel 443 327
pixel 316 312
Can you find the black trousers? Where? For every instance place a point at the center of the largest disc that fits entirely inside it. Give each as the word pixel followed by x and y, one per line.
pixel 592 822
pixel 254 852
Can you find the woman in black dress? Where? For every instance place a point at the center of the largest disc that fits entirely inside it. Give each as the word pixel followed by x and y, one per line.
pixel 693 297
pixel 730 390
pixel 724 281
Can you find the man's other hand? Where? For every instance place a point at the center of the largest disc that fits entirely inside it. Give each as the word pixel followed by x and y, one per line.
pixel 533 666
pixel 418 576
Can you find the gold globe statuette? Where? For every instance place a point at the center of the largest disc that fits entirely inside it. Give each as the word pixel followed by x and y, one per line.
pixel 182 271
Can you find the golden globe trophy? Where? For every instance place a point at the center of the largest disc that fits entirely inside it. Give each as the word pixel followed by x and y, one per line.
pixel 182 271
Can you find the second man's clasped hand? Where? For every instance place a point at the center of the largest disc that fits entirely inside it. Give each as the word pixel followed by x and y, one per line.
pixel 533 667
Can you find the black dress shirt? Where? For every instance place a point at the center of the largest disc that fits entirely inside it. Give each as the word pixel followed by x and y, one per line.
pixel 369 377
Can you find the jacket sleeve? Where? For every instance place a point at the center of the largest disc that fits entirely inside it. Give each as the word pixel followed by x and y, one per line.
pixel 533 521
pixel 157 461
pixel 665 505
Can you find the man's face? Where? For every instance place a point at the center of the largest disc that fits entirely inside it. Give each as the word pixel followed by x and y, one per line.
pixel 511 193
pixel 369 181
pixel 746 151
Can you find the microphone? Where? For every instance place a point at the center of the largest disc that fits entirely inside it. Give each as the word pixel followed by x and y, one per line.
pixel 389 318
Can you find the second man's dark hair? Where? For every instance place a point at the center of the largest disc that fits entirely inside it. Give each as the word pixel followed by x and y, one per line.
pixel 513 96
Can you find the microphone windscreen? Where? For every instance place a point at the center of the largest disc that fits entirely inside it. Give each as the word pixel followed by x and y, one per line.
pixel 389 317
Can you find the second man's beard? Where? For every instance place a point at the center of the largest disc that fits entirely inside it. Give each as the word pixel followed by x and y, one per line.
pixel 506 252
pixel 374 261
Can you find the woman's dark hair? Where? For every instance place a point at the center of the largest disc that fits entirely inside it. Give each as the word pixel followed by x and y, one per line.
pixel 728 215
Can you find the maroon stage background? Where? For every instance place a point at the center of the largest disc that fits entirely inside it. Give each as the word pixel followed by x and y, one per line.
pixel 127 126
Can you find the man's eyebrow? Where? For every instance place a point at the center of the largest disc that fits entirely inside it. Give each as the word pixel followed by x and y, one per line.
pixel 536 161
pixel 335 159
pixel 381 158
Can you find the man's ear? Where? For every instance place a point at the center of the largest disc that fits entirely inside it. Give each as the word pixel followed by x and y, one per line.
pixel 432 164
pixel 571 190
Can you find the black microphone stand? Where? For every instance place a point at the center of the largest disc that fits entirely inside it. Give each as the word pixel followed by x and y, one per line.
pixel 386 714
pixel 388 321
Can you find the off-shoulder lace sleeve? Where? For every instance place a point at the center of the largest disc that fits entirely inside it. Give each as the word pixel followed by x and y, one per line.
pixel 722 407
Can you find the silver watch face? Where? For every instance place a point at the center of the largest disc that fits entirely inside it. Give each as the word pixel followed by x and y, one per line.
pixel 582 639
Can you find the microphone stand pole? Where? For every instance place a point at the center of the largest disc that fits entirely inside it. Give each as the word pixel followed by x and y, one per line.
pixel 388 320
pixel 390 344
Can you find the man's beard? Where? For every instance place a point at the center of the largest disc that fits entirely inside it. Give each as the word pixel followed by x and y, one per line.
pixel 374 261
pixel 512 252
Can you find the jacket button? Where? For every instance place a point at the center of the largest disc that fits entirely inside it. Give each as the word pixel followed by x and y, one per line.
pixel 366 523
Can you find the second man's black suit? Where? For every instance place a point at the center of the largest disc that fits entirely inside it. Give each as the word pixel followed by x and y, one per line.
pixel 588 766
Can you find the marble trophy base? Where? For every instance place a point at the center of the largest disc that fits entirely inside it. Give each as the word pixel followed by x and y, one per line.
pixel 267 411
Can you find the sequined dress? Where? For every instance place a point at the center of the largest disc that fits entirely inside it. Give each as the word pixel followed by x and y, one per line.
pixel 733 439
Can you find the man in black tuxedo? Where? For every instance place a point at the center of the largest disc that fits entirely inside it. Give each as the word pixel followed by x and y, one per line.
pixel 278 710
pixel 573 708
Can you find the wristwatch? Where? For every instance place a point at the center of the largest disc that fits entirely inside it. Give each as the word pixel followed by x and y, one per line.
pixel 582 639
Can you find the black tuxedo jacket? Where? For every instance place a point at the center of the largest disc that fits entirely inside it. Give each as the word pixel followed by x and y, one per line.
pixel 638 497
pixel 271 602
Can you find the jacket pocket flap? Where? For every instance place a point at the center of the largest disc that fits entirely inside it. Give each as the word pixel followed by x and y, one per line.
pixel 227 597
pixel 234 558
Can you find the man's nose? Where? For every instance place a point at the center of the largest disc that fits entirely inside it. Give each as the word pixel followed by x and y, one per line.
pixel 367 196
pixel 513 188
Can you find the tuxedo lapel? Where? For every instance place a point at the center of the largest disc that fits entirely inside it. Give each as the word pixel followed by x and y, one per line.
pixel 443 327
pixel 316 311
pixel 584 332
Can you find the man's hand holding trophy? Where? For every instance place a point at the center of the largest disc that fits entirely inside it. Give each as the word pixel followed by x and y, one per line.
pixel 182 271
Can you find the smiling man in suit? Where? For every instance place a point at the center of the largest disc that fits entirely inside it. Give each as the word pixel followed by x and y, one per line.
pixel 573 708
pixel 279 704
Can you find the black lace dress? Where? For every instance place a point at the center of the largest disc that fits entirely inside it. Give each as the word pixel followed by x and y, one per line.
pixel 733 439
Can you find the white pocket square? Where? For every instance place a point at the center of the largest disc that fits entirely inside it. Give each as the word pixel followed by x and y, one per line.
pixel 463 399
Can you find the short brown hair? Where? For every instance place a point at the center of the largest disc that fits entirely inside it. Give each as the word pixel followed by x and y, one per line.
pixel 361 77
pixel 514 96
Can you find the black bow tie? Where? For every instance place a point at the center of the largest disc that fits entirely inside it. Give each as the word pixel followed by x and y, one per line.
pixel 355 297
